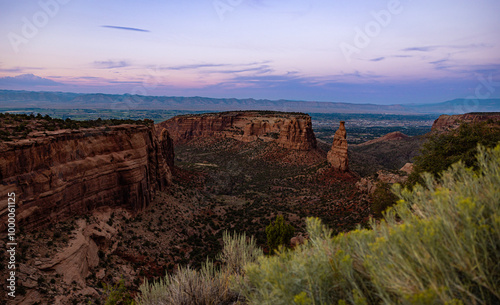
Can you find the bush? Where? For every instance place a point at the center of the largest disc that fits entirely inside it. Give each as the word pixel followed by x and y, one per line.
pixel 279 233
pixel 440 244
pixel 382 199
pixel 440 151
pixel 118 294
pixel 211 284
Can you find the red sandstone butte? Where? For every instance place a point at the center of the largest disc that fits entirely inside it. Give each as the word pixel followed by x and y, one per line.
pixel 289 130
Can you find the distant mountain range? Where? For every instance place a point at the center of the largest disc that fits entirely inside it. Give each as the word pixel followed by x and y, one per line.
pixel 64 100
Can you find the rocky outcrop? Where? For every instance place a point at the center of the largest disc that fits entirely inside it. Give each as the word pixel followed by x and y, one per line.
pixel 65 173
pixel 393 136
pixel 407 168
pixel 370 184
pixel 450 122
pixel 167 145
pixel 289 130
pixel 337 156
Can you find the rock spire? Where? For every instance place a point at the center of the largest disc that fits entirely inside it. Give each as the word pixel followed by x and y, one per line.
pixel 337 156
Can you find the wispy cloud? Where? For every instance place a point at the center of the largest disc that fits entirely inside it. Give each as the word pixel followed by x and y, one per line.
pixel 19 69
pixel 12 70
pixel 438 62
pixel 124 28
pixel 377 59
pixel 433 48
pixel 236 67
pixel 196 66
pixel 421 49
pixel 27 80
pixel 110 64
pixel 258 70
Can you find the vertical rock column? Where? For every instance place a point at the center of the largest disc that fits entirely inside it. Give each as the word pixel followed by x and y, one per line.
pixel 337 156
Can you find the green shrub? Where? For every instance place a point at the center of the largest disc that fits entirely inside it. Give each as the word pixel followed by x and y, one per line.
pixel 440 244
pixel 382 198
pixel 440 151
pixel 211 284
pixel 118 294
pixel 279 233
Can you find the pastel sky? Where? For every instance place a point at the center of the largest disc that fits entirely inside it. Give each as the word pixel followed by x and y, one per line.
pixel 361 51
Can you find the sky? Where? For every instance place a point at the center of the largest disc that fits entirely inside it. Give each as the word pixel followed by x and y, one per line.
pixel 356 51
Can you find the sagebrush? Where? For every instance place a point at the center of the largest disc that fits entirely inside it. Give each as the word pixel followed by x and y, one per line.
pixel 439 245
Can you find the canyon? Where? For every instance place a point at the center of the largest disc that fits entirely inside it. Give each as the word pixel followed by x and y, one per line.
pixel 59 174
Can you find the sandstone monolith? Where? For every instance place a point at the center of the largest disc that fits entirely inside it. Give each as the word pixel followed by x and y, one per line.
pixel 337 156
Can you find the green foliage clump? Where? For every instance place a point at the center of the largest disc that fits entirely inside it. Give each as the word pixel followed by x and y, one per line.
pixel 211 284
pixel 279 233
pixel 382 198
pixel 118 294
pixel 440 244
pixel 440 151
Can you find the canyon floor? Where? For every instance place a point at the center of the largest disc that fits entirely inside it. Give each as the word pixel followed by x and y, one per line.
pixel 217 186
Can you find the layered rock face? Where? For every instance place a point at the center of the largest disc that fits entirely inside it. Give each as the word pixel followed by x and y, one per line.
pixel 290 130
pixel 69 172
pixel 337 156
pixel 449 122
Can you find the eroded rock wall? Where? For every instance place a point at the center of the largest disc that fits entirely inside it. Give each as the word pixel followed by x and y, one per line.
pixel 65 173
pixel 449 122
pixel 289 130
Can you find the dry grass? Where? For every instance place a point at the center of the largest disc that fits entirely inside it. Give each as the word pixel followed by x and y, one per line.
pixel 208 286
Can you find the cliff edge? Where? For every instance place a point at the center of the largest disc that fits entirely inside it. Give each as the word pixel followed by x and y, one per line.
pixel 449 122
pixel 289 130
pixel 63 173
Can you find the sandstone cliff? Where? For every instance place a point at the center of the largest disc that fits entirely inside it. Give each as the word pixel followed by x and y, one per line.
pixel 65 173
pixel 449 122
pixel 290 130
pixel 337 156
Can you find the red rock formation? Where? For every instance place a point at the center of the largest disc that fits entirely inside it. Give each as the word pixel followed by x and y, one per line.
pixel 449 122
pixel 289 130
pixel 168 147
pixel 337 156
pixel 69 172
pixel 407 168
pixel 393 136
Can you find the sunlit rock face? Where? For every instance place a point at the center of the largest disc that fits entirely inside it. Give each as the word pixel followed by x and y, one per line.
pixel 289 130
pixel 337 156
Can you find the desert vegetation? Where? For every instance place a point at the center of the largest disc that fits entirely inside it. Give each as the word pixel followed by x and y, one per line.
pixel 209 285
pixel 438 245
pixel 441 150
